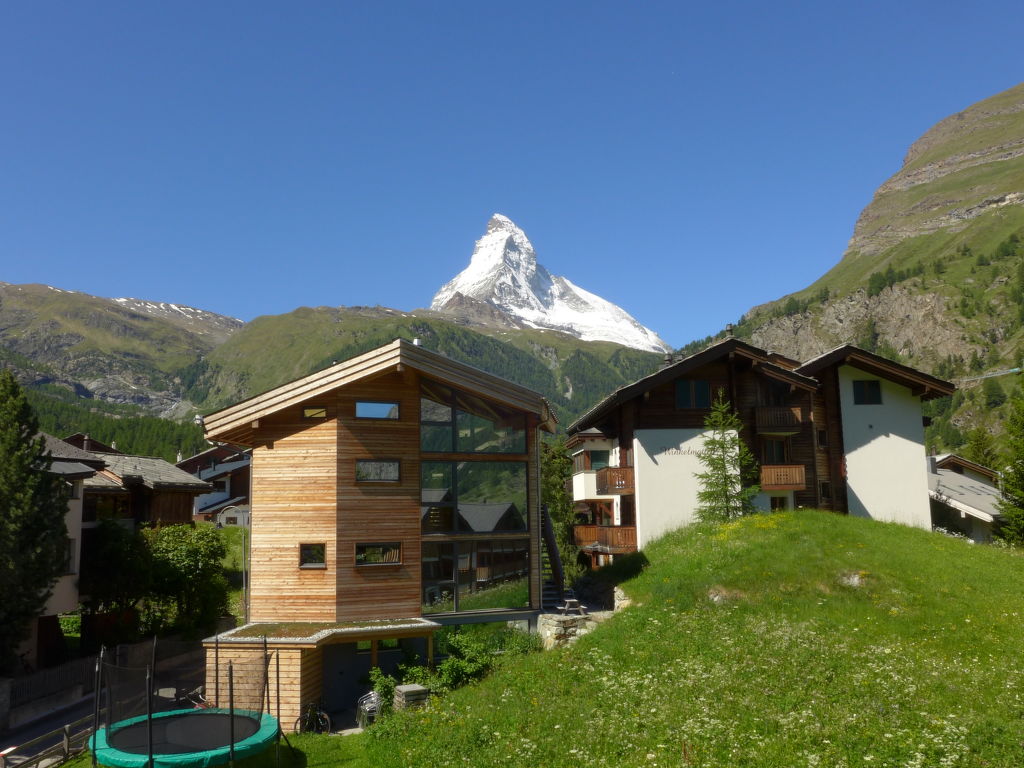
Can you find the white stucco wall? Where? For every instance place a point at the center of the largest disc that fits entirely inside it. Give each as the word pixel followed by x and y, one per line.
pixel 885 457
pixel 65 592
pixel 665 461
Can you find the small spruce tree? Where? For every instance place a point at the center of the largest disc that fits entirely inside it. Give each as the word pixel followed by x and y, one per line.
pixel 33 537
pixel 728 483
pixel 1011 505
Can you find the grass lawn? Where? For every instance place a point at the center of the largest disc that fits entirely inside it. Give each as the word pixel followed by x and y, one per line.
pixel 800 639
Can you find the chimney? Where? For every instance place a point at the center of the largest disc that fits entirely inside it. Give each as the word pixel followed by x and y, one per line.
pixel 415 342
pixel 667 361
pixel 729 328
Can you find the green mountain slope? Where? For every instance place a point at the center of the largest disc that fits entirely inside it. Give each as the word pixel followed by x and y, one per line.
pixel 272 350
pixel 799 639
pixel 933 274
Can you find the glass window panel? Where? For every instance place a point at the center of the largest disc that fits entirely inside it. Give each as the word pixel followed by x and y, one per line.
pixel 867 392
pixel 493 575
pixel 437 565
pixel 314 412
pixel 435 402
pixel 436 438
pixel 486 427
pixel 437 519
pixel 492 496
pixel 312 555
pixel 599 459
pixel 377 471
pixel 702 394
pixel 388 553
pixel 436 482
pixel 374 410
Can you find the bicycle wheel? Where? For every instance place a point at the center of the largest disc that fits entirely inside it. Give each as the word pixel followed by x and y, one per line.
pixel 323 722
pixel 300 725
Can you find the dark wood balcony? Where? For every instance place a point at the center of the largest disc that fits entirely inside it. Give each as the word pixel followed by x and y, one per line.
pixel 783 477
pixel 614 539
pixel 780 419
pixel 615 481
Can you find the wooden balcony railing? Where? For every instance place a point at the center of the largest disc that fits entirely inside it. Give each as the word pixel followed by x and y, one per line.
pixel 616 481
pixel 782 477
pixel 609 538
pixel 780 419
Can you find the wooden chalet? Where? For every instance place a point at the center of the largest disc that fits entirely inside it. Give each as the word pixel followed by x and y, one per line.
pixel 387 488
pixel 843 431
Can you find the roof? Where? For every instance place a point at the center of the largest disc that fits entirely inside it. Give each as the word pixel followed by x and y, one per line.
pixel 234 423
pixel 153 472
pixel 949 460
pixel 217 506
pixel 924 385
pixel 61 450
pixel 71 469
pixel 970 496
pixel 727 347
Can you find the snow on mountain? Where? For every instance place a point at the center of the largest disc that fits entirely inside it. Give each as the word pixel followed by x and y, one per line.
pixel 504 273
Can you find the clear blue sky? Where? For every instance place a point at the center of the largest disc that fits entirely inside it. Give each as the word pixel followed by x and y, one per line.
pixel 683 160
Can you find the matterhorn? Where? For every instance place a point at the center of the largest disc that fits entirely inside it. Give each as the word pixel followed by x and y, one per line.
pixel 503 272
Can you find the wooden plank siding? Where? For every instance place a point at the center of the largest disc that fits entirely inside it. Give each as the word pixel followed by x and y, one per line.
pixel 294 501
pixel 301 678
pixel 379 511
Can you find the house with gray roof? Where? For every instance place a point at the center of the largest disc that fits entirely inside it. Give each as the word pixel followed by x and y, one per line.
pixel 964 496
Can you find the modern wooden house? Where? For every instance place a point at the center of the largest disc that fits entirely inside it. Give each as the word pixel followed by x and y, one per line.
pixel 395 485
pixel 843 431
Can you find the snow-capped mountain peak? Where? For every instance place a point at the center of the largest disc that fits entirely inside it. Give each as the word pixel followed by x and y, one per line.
pixel 504 273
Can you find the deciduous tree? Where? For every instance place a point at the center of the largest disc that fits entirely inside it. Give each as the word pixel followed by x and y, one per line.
pixel 33 537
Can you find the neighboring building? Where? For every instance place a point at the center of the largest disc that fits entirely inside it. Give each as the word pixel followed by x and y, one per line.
pixel 843 431
pixel 392 486
pixel 45 644
pixel 964 497
pixel 227 469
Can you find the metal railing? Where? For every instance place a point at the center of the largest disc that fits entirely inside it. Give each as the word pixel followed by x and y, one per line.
pixel 70 739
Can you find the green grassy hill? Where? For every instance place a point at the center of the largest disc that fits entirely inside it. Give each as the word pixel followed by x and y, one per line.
pixel 799 639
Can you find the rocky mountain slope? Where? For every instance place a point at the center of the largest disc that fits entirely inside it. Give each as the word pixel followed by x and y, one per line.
pixel 504 273
pixel 934 271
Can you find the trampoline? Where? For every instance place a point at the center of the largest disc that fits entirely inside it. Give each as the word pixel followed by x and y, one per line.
pixel 142 726
pixel 185 738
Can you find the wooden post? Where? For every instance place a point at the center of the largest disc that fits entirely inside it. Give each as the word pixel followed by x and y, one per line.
pixel 66 742
pixel 430 651
pixel 373 653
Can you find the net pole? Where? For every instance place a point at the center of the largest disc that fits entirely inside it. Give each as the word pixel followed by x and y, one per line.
pixel 265 691
pixel 149 715
pixel 277 688
pixel 216 670
pixel 97 692
pixel 231 714
pixel 152 657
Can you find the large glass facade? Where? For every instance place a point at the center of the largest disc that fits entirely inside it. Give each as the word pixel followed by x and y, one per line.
pixel 470 505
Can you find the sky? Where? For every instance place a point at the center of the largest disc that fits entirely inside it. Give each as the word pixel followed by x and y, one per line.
pixel 686 161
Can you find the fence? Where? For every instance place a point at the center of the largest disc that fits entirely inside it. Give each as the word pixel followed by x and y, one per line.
pixel 49 682
pixel 54 747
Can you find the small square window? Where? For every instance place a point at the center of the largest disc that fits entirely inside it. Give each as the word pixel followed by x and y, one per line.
pixel 367 409
pixel 314 412
pixel 823 438
pixel 693 393
pixel 377 470
pixel 312 555
pixel 387 553
pixel 867 392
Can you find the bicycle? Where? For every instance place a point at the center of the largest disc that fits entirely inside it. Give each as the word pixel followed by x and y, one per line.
pixel 313 720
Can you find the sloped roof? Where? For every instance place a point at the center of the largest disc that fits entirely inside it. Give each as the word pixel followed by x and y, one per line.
pixel 949 460
pixel 233 424
pixel 727 347
pixel 970 496
pixel 153 472
pixel 61 450
pixel 924 385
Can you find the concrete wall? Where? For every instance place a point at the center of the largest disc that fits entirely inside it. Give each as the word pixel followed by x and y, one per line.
pixel 885 458
pixel 665 461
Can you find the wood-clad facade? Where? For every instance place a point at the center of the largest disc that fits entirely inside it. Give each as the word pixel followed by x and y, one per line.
pixel 793 421
pixel 391 486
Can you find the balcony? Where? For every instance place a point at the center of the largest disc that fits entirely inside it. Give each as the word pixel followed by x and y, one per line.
pixel 780 420
pixel 783 477
pixel 614 539
pixel 615 481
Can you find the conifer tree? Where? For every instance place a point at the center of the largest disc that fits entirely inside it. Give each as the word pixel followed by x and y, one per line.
pixel 1011 505
pixel 33 537
pixel 728 484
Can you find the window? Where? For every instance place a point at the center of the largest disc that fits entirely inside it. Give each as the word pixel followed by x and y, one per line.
pixel 475 575
pixel 823 438
pixel 778 503
pixel 693 393
pixel 314 412
pixel 389 553
pixel 456 422
pixel 599 459
pixel 867 392
pixel 773 451
pixel 377 470
pixel 372 409
pixel 825 491
pixel 473 496
pixel 312 555
pixel 231 521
